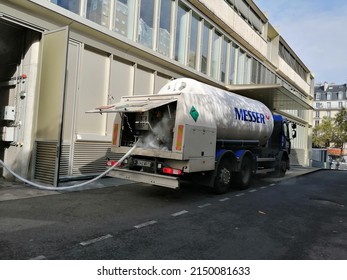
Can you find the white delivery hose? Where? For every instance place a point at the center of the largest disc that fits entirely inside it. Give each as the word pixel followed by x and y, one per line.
pixel 69 187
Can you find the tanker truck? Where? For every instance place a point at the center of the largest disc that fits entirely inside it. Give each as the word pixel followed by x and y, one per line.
pixel 194 132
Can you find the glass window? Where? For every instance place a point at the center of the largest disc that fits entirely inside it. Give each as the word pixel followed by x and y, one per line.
pixel 145 29
pixel 205 47
pixel 232 63
pixel 71 5
pixel 254 75
pixel 340 95
pixel 181 33
pixel 292 62
pixel 164 28
pixel 99 11
pixel 285 129
pixel 318 105
pixel 247 70
pixel 215 69
pixel 193 42
pixel 224 63
pixel 329 95
pixel 328 105
pixel 125 18
pixel 317 114
pixel 240 67
pixel 262 74
pixel 271 77
pixel 318 96
pixel 340 104
pixel 329 114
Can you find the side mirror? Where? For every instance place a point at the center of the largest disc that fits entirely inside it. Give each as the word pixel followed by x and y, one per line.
pixel 293 130
pixel 294 134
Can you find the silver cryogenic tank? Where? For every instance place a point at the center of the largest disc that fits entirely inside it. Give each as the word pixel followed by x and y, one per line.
pixel 235 117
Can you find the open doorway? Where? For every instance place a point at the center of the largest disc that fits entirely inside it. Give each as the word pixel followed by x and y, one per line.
pixel 16 42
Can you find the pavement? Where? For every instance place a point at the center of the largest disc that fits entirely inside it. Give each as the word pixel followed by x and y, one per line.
pixel 18 190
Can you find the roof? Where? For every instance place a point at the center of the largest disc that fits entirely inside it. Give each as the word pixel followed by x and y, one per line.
pixel 274 96
pixel 333 90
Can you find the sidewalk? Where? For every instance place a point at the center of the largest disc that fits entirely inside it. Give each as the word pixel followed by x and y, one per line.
pixel 18 190
pixel 294 171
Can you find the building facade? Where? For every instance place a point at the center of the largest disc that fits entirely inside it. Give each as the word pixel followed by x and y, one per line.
pixel 61 58
pixel 328 101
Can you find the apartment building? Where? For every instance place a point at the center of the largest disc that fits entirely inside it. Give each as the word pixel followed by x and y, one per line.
pixel 60 58
pixel 329 99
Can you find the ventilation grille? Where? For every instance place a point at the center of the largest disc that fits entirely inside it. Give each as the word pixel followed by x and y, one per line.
pixel 90 157
pixel 64 161
pixel 45 162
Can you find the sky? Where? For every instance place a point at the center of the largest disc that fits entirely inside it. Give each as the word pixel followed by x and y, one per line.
pixel 316 30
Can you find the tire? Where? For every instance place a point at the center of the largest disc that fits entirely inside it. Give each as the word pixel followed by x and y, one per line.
pixel 281 169
pixel 243 177
pixel 222 180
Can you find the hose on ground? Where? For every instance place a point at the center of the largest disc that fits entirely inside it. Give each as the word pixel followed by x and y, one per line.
pixel 42 187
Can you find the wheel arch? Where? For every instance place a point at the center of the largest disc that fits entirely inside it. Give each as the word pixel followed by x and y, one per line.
pixel 227 155
pixel 246 168
pixel 226 165
pixel 241 155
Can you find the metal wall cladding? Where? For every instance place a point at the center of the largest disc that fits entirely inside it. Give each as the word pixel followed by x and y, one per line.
pixel 236 117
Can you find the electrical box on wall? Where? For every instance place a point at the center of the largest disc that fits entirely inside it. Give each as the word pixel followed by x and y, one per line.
pixel 8 113
pixel 8 134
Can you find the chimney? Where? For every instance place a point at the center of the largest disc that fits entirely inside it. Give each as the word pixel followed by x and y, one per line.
pixel 326 86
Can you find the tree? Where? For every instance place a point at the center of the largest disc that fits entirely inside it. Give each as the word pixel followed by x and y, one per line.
pixel 323 133
pixel 331 132
pixel 340 135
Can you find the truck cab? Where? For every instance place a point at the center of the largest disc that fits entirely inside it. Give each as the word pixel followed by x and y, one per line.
pixel 280 142
pixel 280 138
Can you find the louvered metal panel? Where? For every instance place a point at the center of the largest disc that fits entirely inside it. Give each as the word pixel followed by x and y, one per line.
pixel 90 157
pixel 45 161
pixel 64 161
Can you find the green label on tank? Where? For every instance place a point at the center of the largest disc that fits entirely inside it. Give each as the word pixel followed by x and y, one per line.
pixel 194 113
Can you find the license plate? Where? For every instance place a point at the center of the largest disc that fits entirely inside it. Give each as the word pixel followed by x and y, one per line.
pixel 143 163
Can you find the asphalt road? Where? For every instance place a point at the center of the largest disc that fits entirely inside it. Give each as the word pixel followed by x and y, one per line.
pixel 298 218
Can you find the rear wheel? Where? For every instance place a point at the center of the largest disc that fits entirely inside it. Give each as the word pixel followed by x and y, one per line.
pixel 223 177
pixel 281 168
pixel 243 177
